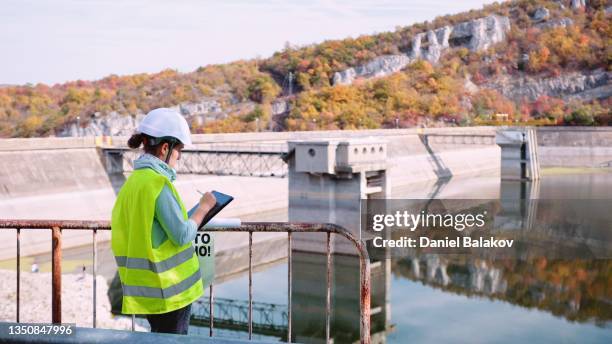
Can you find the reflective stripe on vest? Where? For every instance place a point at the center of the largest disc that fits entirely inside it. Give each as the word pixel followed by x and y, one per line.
pixel 131 290
pixel 146 264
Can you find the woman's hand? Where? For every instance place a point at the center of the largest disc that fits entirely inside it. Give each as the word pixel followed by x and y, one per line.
pixel 208 201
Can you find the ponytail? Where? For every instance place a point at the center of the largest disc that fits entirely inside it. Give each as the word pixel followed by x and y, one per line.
pixel 135 141
pixel 149 144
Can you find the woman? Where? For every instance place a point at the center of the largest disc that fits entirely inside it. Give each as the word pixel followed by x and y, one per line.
pixel 151 231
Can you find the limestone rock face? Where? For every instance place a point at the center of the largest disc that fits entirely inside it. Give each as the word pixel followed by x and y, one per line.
pixel 577 4
pixel 115 124
pixel 541 13
pixel 437 42
pixel 582 86
pixel 560 3
pixel 482 33
pixel 478 34
pixel 345 77
pixel 280 106
pixel 549 24
pixel 416 46
pixel 380 66
pixel 200 108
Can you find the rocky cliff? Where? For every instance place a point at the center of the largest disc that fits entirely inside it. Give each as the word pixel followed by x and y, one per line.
pixel 583 86
pixel 380 66
pixel 115 124
pixel 480 34
pixel 475 35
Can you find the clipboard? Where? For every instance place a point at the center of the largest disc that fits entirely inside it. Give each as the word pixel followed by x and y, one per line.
pixel 222 201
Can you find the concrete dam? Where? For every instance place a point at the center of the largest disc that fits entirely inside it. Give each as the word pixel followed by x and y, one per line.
pixel 70 178
pixel 297 177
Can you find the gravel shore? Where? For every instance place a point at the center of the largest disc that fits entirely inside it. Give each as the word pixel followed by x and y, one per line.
pixel 77 300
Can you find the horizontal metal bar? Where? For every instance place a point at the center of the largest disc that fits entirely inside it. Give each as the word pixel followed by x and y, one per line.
pixel 48 224
pixel 282 227
pixel 460 135
pixel 208 151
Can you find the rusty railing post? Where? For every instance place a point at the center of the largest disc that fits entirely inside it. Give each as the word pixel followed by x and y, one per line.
pixel 211 313
pixel 56 272
pixel 289 287
pixel 18 269
pixel 328 291
pixel 95 262
pixel 250 285
pixel 364 291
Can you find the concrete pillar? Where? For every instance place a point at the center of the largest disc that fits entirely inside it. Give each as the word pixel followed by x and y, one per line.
pixel 327 181
pixel 519 205
pixel 113 161
pixel 519 160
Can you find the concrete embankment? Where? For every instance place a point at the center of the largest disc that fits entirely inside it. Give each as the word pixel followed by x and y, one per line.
pixel 575 147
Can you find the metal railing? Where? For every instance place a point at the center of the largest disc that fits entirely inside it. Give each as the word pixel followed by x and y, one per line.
pixel 238 160
pixel 57 226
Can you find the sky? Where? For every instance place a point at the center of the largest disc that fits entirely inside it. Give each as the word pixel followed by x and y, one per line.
pixel 53 41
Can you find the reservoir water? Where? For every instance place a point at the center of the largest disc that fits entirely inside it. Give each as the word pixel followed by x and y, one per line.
pixel 436 298
pixel 536 299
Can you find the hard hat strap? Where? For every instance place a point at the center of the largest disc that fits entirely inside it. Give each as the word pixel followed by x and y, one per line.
pixel 171 145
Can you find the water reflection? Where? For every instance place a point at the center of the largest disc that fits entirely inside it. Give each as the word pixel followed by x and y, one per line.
pixel 577 290
pixel 556 286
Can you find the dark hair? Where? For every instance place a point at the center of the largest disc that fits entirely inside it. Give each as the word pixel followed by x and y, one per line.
pixel 143 139
pixel 135 141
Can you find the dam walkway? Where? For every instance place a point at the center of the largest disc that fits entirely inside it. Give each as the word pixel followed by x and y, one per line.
pixel 261 160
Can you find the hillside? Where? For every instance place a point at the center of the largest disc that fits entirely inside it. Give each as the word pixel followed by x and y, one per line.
pixel 539 62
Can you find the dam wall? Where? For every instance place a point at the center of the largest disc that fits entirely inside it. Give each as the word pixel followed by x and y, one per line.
pixel 575 146
pixel 65 178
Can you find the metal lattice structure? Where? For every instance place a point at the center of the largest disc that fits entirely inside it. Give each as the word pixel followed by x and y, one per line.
pixel 458 139
pixel 268 318
pixel 239 160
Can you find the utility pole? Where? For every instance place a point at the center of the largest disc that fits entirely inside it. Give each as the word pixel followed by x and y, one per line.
pixel 290 77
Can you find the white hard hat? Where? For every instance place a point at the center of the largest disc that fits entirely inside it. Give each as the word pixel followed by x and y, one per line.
pixel 164 122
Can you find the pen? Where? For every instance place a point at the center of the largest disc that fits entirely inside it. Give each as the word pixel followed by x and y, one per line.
pixel 201 193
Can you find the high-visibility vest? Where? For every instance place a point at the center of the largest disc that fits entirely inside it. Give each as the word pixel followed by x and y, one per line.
pixel 154 280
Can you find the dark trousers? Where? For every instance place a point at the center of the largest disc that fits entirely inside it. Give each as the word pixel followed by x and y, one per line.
pixel 173 322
